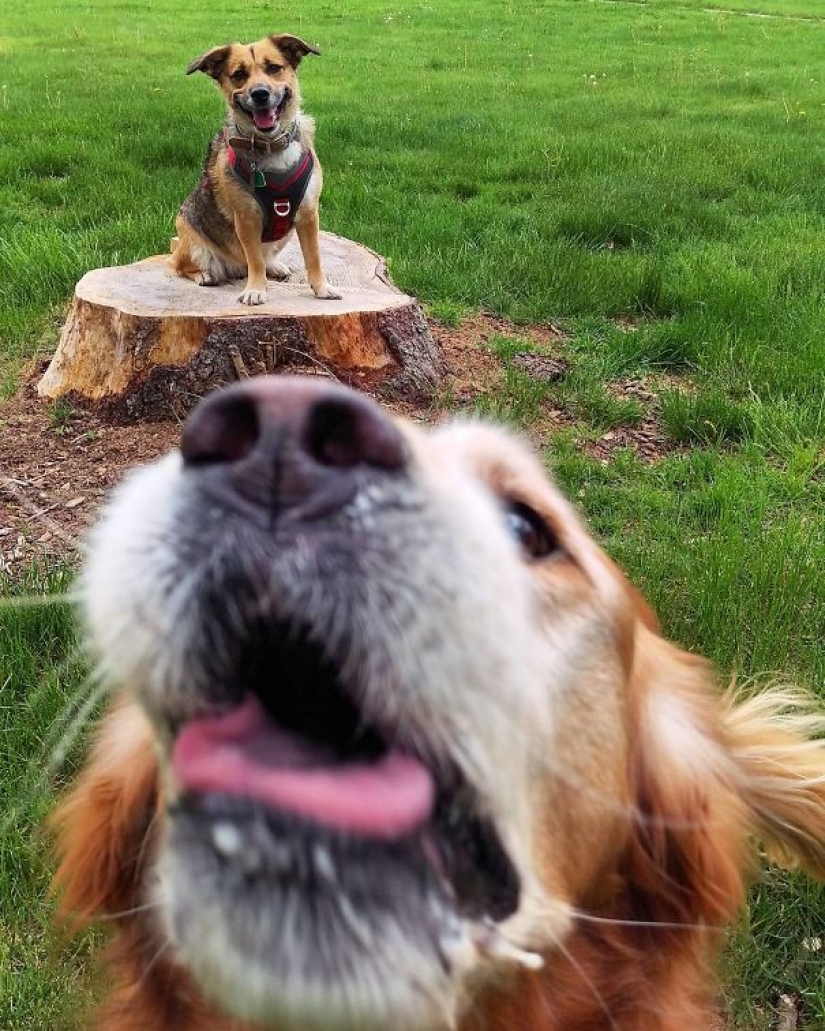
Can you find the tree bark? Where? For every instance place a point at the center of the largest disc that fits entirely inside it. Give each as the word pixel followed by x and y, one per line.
pixel 141 342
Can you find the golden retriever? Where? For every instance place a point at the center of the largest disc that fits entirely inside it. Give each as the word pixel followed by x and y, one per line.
pixel 397 746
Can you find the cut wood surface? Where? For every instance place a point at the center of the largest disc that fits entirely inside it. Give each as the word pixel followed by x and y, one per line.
pixel 141 341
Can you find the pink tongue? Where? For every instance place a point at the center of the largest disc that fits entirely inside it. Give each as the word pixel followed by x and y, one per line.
pixel 263 119
pixel 244 753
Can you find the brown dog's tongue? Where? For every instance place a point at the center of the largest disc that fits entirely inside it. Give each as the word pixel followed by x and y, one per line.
pixel 264 119
pixel 244 753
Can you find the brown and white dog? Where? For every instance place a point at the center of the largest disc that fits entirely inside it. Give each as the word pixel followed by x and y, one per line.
pixel 261 178
pixel 397 745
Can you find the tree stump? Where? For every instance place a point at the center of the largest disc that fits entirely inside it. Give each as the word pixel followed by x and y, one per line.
pixel 140 341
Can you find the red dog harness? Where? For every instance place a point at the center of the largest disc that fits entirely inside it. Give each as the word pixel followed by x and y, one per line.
pixel 279 196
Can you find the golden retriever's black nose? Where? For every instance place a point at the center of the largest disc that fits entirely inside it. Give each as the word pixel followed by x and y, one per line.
pixel 259 95
pixel 286 440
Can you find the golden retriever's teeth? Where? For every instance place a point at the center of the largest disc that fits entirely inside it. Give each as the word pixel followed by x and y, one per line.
pixel 324 865
pixel 227 839
pixel 489 941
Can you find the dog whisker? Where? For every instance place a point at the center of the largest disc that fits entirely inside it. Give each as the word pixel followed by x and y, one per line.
pixel 121 914
pixel 40 515
pixel 148 838
pixel 664 925
pixel 36 601
pixel 163 949
pixel 589 984
pixel 36 783
pixel 76 723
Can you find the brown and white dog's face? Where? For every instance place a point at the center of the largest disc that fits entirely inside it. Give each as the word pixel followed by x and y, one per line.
pixel 385 669
pixel 259 80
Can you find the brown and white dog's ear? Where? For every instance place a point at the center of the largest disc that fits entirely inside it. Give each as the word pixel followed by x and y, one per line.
pixel 293 48
pixel 212 62
pixel 689 851
pixel 102 827
pixel 711 772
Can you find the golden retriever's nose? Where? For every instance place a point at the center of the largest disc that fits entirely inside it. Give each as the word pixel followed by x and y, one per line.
pixel 288 440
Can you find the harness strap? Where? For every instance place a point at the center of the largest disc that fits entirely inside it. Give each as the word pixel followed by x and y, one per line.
pixel 279 198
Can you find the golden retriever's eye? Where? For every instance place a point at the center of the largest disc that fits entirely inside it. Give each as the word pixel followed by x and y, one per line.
pixel 536 538
pixel 238 75
pixel 273 69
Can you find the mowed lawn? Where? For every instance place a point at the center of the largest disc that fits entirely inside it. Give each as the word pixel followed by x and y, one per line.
pixel 647 175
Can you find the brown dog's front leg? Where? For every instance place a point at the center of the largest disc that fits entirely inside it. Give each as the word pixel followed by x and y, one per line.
pixel 306 224
pixel 248 230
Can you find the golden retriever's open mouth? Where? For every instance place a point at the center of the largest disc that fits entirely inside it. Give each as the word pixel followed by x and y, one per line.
pixel 306 755
pixel 249 755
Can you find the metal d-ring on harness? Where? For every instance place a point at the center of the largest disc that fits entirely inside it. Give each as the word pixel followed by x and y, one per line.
pixel 278 194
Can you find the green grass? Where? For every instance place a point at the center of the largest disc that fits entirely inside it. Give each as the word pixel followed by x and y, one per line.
pixel 728 549
pixel 602 164
pixel 40 680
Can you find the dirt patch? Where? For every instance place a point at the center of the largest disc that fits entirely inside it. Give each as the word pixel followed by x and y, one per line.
pixel 481 327
pixel 58 463
pixel 646 438
pixel 627 323
pixel 472 367
pixel 542 366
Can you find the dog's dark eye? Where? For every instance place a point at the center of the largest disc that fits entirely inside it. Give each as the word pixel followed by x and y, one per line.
pixel 536 538
pixel 238 75
pixel 273 69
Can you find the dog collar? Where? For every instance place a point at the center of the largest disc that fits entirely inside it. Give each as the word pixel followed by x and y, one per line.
pixel 238 141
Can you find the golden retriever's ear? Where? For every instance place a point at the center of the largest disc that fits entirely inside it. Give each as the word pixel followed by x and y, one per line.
pixel 689 850
pixel 775 740
pixel 102 827
pixel 711 772
pixel 293 48
pixel 212 62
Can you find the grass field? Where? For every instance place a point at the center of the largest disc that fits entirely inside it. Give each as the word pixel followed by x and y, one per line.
pixel 598 164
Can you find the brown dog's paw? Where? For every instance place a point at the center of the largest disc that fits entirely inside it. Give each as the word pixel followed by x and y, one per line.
pixel 252 296
pixel 325 292
pixel 206 279
pixel 277 270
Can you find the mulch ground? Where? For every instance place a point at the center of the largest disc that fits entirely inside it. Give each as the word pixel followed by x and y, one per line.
pixel 58 464
pixel 647 438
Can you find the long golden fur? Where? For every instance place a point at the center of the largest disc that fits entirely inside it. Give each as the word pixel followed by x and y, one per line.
pixel 644 785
